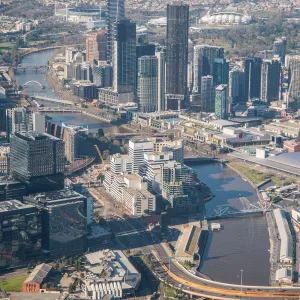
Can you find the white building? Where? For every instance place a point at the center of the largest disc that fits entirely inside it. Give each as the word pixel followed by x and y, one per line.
pixel 137 148
pixel 120 164
pixel 286 240
pixel 21 119
pixel 109 273
pixel 4 159
pixel 284 275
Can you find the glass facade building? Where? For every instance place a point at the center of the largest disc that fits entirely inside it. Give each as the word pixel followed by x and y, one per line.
pixel 20 234
pixel 38 161
pixel 64 222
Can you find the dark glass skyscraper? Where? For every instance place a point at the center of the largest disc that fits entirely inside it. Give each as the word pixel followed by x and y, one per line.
pixel 124 57
pixel 253 77
pixel 115 13
pixel 37 160
pixel 220 71
pixel 270 80
pixel 177 55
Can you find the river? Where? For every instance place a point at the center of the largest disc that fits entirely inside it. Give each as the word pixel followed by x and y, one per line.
pixel 41 59
pixel 243 243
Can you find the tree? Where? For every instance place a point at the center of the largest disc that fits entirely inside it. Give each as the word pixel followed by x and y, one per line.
pixel 105 154
pixel 77 265
pixel 147 212
pixel 72 288
pixel 100 132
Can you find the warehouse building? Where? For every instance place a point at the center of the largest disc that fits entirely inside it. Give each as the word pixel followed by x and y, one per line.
pixel 286 240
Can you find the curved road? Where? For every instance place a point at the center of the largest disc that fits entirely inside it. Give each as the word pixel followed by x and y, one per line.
pixel 174 274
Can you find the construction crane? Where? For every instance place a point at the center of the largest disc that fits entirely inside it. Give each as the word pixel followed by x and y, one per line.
pixel 99 153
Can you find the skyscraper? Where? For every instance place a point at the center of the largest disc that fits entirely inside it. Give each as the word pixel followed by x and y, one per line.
pixel 177 55
pixel 115 13
pixel 124 57
pixel 207 97
pixel 221 102
pixel 252 77
pixel 204 57
pixel 270 80
pixel 161 72
pixel 280 48
pixel 96 46
pixel 293 65
pixel 236 85
pixel 37 160
pixel 147 91
pixel 220 71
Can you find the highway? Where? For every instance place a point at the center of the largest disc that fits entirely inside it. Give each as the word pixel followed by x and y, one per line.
pixel 174 274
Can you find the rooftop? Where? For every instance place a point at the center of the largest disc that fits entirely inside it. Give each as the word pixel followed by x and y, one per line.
pixel 13 205
pixel 33 135
pixel 39 273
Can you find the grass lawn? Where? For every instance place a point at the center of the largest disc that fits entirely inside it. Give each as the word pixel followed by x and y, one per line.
pixel 6 45
pixel 13 284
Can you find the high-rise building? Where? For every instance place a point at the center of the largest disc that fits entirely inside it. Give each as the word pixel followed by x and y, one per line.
pixel 236 85
pixel 37 160
pixel 161 72
pixel 207 96
pixel 96 46
pixel 293 65
pixel 124 57
pixel 64 221
pixel 221 102
pixel 22 119
pixel 102 75
pixel 147 91
pixel 115 13
pixel 21 234
pixel 120 164
pixel 280 48
pixel 270 80
pixel 204 57
pixel 220 71
pixel 137 148
pixel 252 77
pixel 143 49
pixel 177 55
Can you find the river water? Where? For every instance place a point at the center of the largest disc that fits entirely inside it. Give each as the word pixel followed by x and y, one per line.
pixel 243 243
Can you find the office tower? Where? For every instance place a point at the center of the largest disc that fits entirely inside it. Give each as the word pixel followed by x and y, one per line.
pixel 4 159
pixel 115 13
pixel 270 80
pixel 96 46
pixel 236 85
pixel 22 119
pixel 102 75
pixel 161 72
pixel 124 57
pixel 280 48
pixel 71 137
pixel 220 71
pixel 293 65
pixel 21 234
pixel 207 96
pixel 37 160
pixel 147 91
pixel 252 77
pixel 204 57
pixel 221 102
pixel 266 54
pixel 143 49
pixel 137 148
pixel 177 55
pixel 120 164
pixel 64 221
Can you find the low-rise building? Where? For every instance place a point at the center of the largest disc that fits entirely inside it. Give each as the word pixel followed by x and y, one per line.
pixel 120 164
pixel 34 281
pixel 284 276
pixel 289 128
pixel 109 272
pixel 292 145
pixel 11 189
